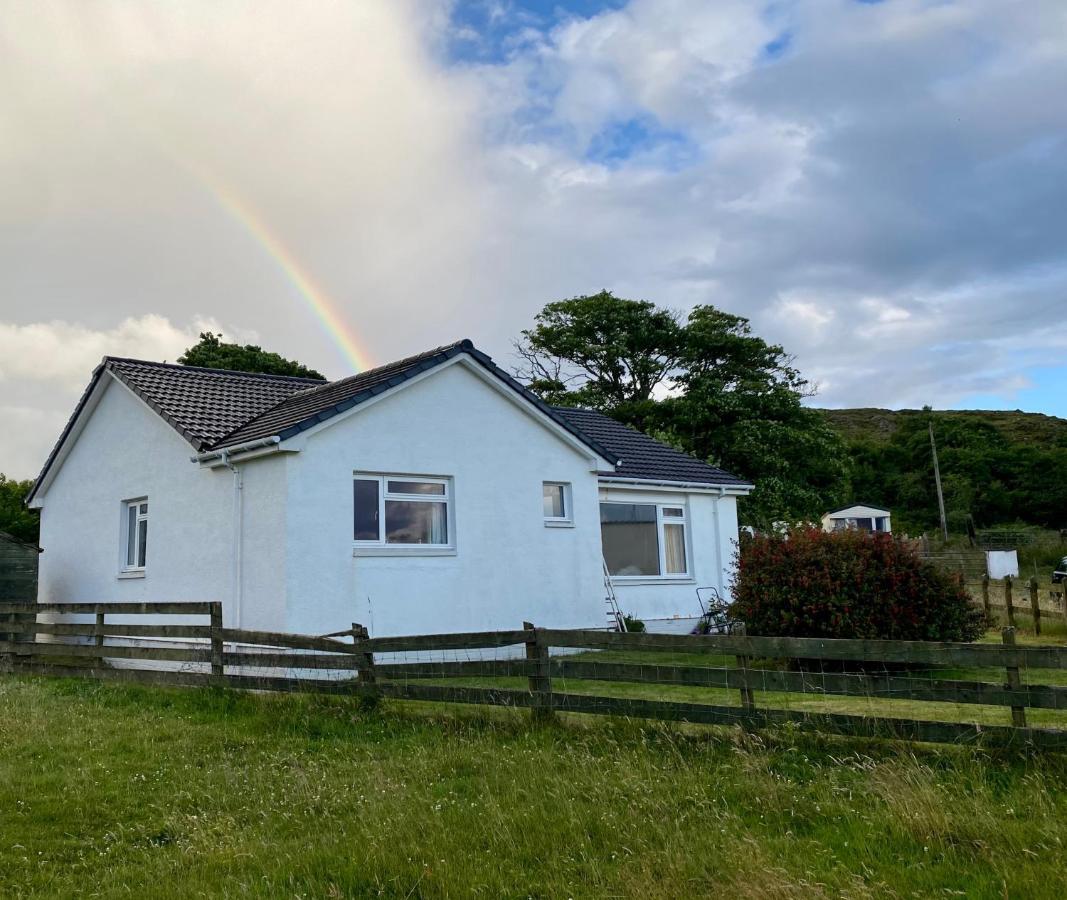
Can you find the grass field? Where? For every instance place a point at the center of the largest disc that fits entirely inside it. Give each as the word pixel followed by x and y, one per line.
pixel 117 791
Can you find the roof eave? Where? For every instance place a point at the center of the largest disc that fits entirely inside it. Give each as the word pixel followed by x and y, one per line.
pixel 45 476
pixel 740 489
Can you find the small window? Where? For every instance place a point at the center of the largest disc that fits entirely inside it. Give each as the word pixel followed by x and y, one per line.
pixel 401 510
pixel 556 502
pixel 135 535
pixel 642 540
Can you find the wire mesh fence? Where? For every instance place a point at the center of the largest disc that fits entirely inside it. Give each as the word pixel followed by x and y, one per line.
pixel 1013 691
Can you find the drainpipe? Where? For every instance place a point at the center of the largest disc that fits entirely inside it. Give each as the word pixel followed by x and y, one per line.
pixel 720 574
pixel 238 532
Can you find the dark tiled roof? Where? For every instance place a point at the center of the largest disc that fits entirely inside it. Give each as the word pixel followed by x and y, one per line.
pixel 644 457
pixel 205 405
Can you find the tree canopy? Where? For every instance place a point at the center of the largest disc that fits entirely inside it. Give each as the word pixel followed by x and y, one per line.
pixel 703 382
pixel 211 353
pixel 15 519
pixel 986 473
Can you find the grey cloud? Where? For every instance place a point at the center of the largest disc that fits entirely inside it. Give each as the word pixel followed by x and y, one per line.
pixel 886 198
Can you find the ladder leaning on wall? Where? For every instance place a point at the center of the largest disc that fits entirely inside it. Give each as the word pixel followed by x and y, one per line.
pixel 616 619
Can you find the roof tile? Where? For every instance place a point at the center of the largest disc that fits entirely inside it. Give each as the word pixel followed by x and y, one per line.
pixel 643 457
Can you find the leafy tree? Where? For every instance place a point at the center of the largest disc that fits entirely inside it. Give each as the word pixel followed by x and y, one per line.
pixel 211 353
pixel 601 352
pixel 738 403
pixel 705 383
pixel 15 519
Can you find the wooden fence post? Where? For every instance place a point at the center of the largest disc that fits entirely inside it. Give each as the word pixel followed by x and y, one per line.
pixel 1035 606
pixel 368 678
pixel 748 701
pixel 99 637
pixel 217 668
pixel 985 597
pixel 1007 601
pixel 1018 713
pixel 540 674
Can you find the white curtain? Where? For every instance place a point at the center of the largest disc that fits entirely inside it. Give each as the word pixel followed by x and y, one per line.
pixel 674 548
pixel 439 523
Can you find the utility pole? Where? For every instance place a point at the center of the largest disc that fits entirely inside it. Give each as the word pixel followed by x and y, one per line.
pixel 937 480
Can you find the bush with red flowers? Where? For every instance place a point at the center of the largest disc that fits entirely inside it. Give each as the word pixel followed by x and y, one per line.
pixel 848 584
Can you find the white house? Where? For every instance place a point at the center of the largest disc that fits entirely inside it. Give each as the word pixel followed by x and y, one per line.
pixel 431 494
pixel 860 516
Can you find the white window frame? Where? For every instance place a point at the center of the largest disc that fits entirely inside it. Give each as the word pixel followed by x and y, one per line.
pixel 125 568
pixel 682 520
pixel 380 547
pixel 567 519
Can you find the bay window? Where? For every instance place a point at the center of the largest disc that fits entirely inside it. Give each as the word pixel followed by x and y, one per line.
pixel 400 511
pixel 644 539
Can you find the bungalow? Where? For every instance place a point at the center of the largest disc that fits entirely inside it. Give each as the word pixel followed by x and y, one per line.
pixel 431 494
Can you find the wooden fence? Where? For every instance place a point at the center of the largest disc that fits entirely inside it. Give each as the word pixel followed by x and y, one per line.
pixel 208 654
pixel 1004 598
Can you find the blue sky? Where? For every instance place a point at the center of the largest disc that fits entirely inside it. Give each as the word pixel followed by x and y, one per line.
pixel 1048 394
pixel 879 187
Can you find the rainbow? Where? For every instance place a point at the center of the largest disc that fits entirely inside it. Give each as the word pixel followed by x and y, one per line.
pixel 325 310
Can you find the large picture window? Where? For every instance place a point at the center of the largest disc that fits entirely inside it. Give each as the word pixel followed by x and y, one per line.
pixel 401 510
pixel 644 539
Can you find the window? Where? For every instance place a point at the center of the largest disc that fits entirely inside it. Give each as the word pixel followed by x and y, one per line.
pixel 644 539
pixel 557 502
pixel 135 535
pixel 400 510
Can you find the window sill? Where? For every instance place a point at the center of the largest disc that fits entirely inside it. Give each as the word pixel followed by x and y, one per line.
pixel 134 574
pixel 553 523
pixel 403 551
pixel 624 580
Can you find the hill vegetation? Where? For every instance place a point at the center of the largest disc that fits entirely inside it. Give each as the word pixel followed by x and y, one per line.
pixel 999 467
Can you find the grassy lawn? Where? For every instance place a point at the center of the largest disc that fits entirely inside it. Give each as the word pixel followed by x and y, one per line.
pixel 117 791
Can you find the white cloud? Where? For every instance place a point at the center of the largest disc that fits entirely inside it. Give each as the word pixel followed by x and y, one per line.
pixel 66 352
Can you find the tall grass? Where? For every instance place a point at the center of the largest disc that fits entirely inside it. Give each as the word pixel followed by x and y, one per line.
pixel 128 792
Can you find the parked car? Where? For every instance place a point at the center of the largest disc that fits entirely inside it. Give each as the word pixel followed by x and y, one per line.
pixel 1061 572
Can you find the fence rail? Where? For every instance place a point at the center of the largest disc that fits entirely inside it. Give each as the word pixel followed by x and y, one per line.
pixel 1005 598
pixel 747 668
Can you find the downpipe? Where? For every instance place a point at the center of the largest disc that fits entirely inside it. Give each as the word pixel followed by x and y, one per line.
pixel 236 587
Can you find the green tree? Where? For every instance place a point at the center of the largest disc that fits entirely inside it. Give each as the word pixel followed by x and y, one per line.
pixel 211 353
pixel 15 519
pixel 705 383
pixel 601 352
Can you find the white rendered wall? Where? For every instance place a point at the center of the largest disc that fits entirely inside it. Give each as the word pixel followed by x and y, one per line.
pixel 670 604
pixel 126 451
pixel 508 567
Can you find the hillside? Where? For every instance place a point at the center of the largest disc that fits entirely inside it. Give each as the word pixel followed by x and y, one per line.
pixel 997 467
pixel 878 426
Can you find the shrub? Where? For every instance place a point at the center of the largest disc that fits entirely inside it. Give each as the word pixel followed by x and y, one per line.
pixel 633 625
pixel 848 584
